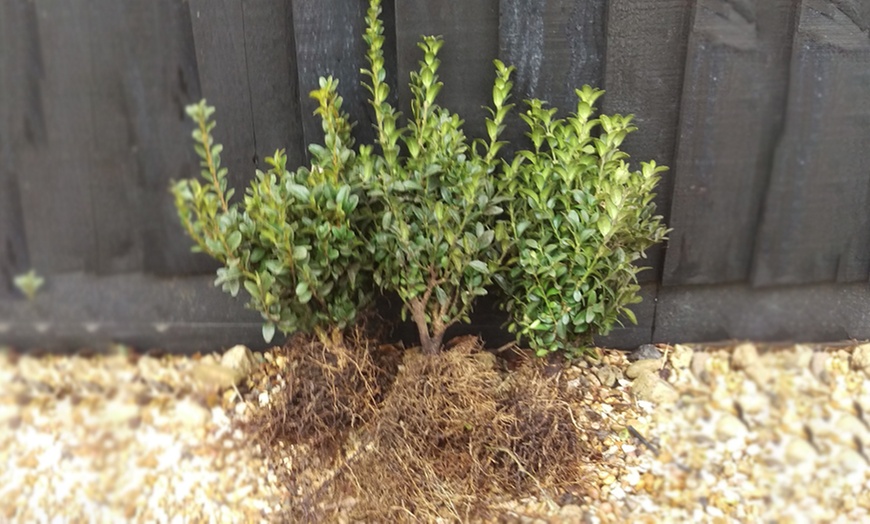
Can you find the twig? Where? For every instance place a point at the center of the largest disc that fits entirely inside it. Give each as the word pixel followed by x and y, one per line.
pixel 636 434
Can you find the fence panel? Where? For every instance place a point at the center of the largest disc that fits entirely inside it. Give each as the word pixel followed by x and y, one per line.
pixel 329 42
pixel 761 109
pixel 219 36
pixel 159 77
pixel 731 102
pixel 16 116
pixel 54 158
pixel 815 223
pixel 470 32
pixel 272 75
pixel 646 53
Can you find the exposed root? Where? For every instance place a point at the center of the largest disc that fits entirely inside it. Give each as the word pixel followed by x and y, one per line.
pixel 454 435
pixel 446 436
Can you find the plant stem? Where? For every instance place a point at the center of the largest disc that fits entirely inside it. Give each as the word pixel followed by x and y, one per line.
pixel 206 142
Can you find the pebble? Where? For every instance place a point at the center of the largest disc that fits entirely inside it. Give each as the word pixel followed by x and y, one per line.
pixel 818 366
pixel 650 387
pixel 643 366
pixel 799 450
pixel 850 426
pixel 608 375
pixel 681 356
pixel 729 427
pixel 745 356
pixel 644 352
pixel 803 356
pixel 571 511
pixel 191 414
pixel 861 358
pixel 211 377
pixel 699 365
pixel 150 368
pixel 240 359
pixel 850 461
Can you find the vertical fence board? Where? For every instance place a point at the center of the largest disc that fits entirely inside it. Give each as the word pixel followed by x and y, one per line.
pixel 815 222
pixel 273 79
pixel 54 156
pixel 329 42
pixel 731 106
pixel 556 46
pixel 113 181
pixel 160 78
pixel 470 32
pixel 643 75
pixel 219 36
pixel 15 35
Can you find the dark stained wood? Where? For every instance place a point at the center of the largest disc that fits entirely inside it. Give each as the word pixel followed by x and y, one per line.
pixel 815 224
pixel 219 38
pixel 732 106
pixel 55 139
pixel 113 180
pixel 813 313
pixel 77 310
pixel 630 336
pixel 273 79
pixel 160 78
pixel 471 42
pixel 646 54
pixel 768 100
pixel 14 18
pixel 556 46
pixel 329 42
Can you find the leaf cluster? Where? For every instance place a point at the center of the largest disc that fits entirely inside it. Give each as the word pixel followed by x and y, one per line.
pixel 295 244
pixel 433 216
pixel 436 203
pixel 580 221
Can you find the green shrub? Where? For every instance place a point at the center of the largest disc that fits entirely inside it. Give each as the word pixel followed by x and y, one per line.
pixel 295 245
pixel 433 216
pixel 433 197
pixel 580 220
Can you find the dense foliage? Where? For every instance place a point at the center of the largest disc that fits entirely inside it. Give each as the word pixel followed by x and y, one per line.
pixel 433 216
pixel 436 208
pixel 580 220
pixel 295 245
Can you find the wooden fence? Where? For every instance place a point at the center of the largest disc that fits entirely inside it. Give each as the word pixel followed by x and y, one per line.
pixel 760 107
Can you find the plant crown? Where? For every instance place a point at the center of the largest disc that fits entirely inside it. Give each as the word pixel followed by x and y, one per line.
pixel 433 216
pixel 580 219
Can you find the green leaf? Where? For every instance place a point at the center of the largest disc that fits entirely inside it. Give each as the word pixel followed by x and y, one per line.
pixel 234 240
pixel 479 266
pixel 298 191
pixel 251 288
pixel 342 195
pixel 257 254
pixel 604 225
pixel 268 331
pixel 300 253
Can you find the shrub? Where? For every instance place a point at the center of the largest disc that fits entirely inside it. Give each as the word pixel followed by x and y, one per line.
pixel 436 208
pixel 433 216
pixel 580 220
pixel 296 244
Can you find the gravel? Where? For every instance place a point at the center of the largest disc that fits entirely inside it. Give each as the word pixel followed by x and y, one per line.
pixel 783 438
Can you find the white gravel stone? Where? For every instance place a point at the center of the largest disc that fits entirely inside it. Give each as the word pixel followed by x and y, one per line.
pixel 745 356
